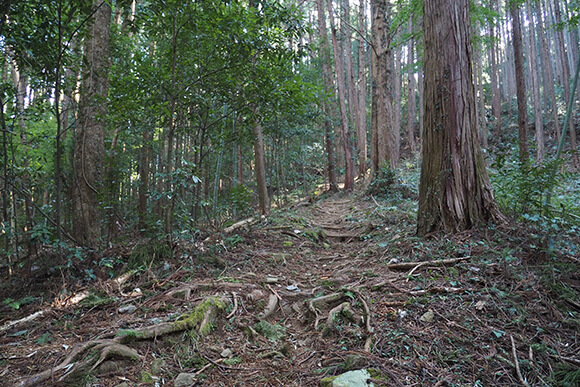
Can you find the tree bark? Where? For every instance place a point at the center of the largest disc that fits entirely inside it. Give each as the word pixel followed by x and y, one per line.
pixel 454 193
pixel 383 137
pixel 520 84
pixel 260 162
pixel 344 132
pixel 565 77
pixel 547 70
pixel 396 81
pixel 534 70
pixel 362 93
pixel 411 96
pixel 495 90
pixel 328 91
pixel 89 154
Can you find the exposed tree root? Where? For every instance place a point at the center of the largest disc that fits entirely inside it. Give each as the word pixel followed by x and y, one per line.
pixel 88 356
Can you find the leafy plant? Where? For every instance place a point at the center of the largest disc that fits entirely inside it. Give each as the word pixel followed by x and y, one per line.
pixel 16 304
pixel 241 197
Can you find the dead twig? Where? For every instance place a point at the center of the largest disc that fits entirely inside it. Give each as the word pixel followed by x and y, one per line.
pixel 411 265
pixel 516 362
pixel 235 308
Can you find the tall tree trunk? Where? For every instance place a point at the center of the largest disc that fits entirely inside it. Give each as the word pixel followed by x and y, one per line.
pixel 547 69
pixel 565 77
pixel 482 121
pixel 144 161
pixel 21 84
pixel 90 138
pixel 495 90
pixel 362 93
pixel 454 193
pixel 396 80
pixel 411 96
pixel 382 116
pixel 349 67
pixel 344 132
pixel 520 83
pixel 534 70
pixel 328 91
pixel 260 163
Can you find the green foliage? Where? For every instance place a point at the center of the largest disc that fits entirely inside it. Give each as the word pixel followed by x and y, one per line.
pixel 241 198
pixel 566 375
pixel 383 181
pixel 520 188
pixel 16 304
pixel 144 254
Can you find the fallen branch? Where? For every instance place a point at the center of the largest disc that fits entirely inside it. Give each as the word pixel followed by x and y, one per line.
pixel 240 224
pixel 413 265
pixel 33 316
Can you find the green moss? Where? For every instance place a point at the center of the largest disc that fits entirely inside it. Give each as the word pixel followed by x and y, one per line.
pixel 327 382
pixel 131 334
pixel 271 332
pixel 146 377
pixel 195 317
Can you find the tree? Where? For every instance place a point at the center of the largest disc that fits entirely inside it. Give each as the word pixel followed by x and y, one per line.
pixel 90 136
pixel 328 91
pixel 454 192
pixel 341 87
pixel 383 138
pixel 520 83
pixel 361 133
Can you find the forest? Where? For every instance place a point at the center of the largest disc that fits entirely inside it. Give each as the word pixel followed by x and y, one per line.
pixel 289 193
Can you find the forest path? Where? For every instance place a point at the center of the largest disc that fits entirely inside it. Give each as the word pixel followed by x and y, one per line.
pixel 313 290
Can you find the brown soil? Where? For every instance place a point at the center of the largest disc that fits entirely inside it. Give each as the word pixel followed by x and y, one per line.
pixel 471 322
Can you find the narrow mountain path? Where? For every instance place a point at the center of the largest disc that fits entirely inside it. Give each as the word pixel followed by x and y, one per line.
pixel 314 290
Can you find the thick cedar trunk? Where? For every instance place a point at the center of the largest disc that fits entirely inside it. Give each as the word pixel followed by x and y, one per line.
pixel 534 70
pixel 260 162
pixel 455 193
pixel 411 98
pixel 383 139
pixel 328 91
pixel 90 138
pixel 344 132
pixel 362 94
pixel 520 84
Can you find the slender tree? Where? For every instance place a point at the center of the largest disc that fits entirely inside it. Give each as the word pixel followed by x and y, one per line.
pixel 340 85
pixel 362 92
pixel 537 102
pixel 520 82
pixel 411 98
pixel 328 91
pixel 454 193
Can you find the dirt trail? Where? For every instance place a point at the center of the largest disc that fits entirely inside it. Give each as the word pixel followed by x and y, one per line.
pixel 309 292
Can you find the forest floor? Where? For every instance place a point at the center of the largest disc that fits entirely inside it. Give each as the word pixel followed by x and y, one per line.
pixel 317 289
